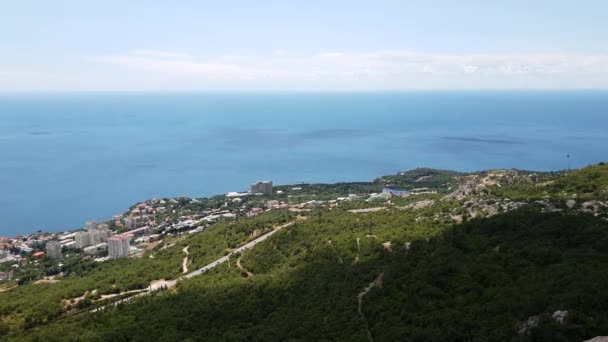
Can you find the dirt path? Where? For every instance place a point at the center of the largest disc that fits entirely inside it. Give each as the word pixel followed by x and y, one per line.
pixel 377 282
pixel 366 210
pixel 185 262
pixel 171 283
pixel 119 294
pixel 420 179
pixel 358 249
pixel 240 267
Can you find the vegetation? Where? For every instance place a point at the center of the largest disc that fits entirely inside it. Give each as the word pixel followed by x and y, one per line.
pixel 431 279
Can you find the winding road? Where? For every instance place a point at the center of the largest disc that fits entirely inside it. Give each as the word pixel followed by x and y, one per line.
pixel 156 285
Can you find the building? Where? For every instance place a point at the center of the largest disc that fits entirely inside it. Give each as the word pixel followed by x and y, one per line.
pixel 82 240
pixel 94 237
pixel 137 221
pixel 37 255
pixel 378 197
pixel 90 225
pixel 272 203
pixel 119 246
pixel 393 192
pixel 103 227
pixel 6 275
pixel 263 187
pixel 255 212
pixel 91 237
pixel 91 250
pixel 53 250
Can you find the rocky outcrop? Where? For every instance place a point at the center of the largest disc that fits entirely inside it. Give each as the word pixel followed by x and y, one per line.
pixel 471 187
pixel 529 324
pixel 418 205
pixel 593 207
pixel 560 316
pixel 547 206
pixel 523 328
pixel 598 339
pixel 570 203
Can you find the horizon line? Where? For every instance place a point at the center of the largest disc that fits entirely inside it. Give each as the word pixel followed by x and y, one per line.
pixel 296 91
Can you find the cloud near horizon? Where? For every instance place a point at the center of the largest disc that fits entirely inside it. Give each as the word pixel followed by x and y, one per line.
pixel 393 69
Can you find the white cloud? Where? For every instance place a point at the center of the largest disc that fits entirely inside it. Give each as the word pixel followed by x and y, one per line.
pixel 386 69
pixel 177 63
pixel 159 54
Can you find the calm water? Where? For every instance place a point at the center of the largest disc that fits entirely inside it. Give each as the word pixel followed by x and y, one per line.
pixel 66 158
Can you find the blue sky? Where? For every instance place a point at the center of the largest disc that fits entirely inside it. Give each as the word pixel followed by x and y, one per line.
pixel 302 45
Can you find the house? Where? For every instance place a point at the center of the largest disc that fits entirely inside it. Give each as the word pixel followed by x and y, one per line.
pixel 255 212
pixel 398 193
pixel 272 204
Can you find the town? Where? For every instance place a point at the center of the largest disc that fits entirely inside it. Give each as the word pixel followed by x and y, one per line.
pixel 144 225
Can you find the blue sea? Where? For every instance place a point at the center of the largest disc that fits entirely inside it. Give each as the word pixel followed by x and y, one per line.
pixel 66 158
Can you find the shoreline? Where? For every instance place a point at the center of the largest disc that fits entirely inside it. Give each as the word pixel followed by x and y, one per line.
pixel 369 182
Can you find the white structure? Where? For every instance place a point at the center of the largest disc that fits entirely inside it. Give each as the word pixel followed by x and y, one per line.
pixel 53 250
pixel 103 227
pixel 91 237
pixel 137 221
pixel 118 246
pixel 96 248
pixel 271 204
pixel 90 225
pixel 82 240
pixel 263 187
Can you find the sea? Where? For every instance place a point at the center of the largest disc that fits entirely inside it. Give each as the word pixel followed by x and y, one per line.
pixel 70 157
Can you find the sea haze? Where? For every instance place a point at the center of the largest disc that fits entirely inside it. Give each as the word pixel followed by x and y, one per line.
pixel 66 158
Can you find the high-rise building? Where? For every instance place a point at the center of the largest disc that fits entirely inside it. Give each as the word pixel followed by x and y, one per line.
pixel 103 227
pixel 262 187
pixel 82 240
pixel 91 237
pixel 53 250
pixel 89 225
pixel 95 237
pixel 119 246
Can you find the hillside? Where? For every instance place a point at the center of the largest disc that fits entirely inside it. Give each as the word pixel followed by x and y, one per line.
pixel 489 256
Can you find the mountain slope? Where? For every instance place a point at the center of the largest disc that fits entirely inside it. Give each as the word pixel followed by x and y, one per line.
pixel 484 279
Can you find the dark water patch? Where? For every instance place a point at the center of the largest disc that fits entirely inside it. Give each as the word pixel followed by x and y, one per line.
pixel 39 133
pixel 338 134
pixel 483 140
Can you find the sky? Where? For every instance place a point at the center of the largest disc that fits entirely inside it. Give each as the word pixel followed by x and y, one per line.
pixel 187 45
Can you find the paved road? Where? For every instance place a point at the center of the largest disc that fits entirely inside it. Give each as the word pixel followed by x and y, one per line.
pixel 172 283
pixel 225 258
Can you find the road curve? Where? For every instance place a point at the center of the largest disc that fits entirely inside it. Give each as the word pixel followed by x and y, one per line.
pixel 172 283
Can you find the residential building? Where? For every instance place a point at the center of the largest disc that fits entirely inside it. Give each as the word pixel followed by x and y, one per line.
pixel 91 237
pixel 95 248
pixel 271 204
pixel 255 212
pixel 53 250
pixel 6 275
pixel 37 255
pixel 119 246
pixel 261 187
pixel 103 227
pixel 393 192
pixel 82 240
pixel 90 225
pixel 94 237
pixel 378 197
pixel 137 221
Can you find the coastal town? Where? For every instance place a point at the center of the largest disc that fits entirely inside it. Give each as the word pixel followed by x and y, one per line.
pixel 41 255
